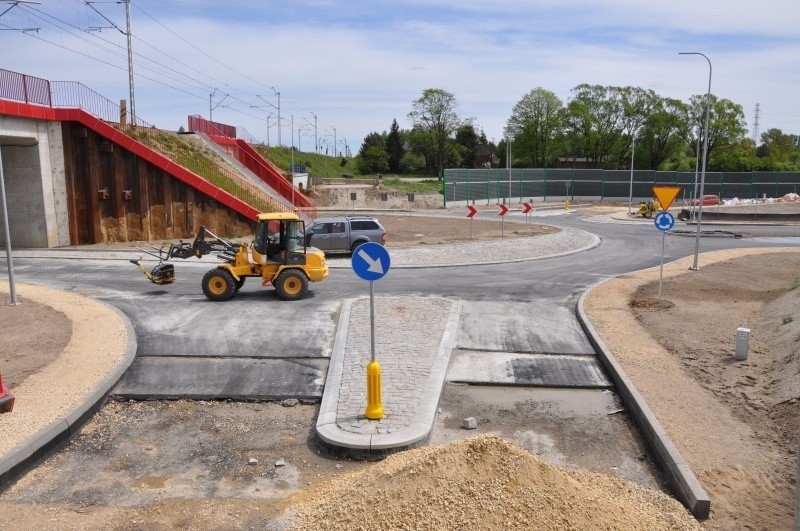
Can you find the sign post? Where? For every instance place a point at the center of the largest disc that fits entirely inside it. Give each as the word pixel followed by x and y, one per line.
pixel 384 198
pixel 371 262
pixel 470 213
pixel 503 211
pixel 526 209
pixel 663 221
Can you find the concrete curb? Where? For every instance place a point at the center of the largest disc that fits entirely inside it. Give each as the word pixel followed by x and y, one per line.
pixel 431 391
pixel 684 483
pixel 37 446
pixel 591 245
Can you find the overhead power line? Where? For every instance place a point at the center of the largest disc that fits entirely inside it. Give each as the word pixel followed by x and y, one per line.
pixel 191 81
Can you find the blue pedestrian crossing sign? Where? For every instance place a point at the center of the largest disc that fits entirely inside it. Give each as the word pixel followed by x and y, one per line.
pixel 664 221
pixel 371 261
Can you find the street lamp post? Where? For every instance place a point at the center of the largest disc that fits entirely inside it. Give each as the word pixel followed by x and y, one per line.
pixel 699 197
pixel 630 191
pixel 508 165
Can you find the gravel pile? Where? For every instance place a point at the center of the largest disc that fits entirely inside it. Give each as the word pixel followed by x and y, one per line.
pixel 483 483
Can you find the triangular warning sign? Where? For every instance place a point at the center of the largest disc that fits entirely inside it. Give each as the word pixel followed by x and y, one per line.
pixel 666 195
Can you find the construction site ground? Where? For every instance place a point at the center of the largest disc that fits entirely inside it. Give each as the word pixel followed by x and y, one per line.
pixel 242 464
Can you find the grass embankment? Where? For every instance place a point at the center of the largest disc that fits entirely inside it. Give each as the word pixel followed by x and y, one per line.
pixel 198 160
pixel 327 167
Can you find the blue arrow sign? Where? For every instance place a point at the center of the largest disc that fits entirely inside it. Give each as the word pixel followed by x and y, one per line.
pixel 371 261
pixel 664 221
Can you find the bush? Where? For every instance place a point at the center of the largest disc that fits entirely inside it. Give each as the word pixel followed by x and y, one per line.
pixel 374 160
pixel 412 163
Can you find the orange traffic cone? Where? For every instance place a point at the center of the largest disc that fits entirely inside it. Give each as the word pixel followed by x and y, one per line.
pixel 6 398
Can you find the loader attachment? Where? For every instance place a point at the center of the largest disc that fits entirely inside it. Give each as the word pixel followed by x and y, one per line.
pixel 160 274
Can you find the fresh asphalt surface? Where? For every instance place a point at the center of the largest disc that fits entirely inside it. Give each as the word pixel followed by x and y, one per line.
pixel 255 346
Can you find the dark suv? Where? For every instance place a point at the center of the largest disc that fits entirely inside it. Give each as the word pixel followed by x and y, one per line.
pixel 344 234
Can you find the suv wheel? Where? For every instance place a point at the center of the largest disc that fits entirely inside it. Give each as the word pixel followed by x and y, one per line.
pixel 356 245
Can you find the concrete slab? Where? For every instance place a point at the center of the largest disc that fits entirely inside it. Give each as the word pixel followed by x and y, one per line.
pixel 533 370
pixel 545 326
pixel 217 378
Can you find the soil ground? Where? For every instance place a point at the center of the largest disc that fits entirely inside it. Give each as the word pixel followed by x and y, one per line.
pixel 122 471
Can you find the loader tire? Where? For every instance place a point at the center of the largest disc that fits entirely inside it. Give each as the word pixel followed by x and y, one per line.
pixel 219 285
pixel 648 214
pixel 291 285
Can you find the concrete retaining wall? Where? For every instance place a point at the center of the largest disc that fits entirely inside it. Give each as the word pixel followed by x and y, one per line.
pixel 33 170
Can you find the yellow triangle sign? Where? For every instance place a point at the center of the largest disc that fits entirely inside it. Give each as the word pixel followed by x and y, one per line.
pixel 666 195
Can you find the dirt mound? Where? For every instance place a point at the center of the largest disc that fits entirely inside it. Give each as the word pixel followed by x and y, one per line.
pixel 483 483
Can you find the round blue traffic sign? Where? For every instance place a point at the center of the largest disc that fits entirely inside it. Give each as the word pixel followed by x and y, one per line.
pixel 664 221
pixel 371 261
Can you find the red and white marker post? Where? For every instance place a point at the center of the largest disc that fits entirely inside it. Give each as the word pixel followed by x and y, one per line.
pixel 470 212
pixel 503 211
pixel 526 208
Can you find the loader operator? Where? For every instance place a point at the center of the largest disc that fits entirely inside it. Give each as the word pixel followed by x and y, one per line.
pixel 268 242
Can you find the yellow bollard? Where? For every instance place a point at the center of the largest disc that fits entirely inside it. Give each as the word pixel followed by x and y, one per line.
pixel 566 204
pixel 374 408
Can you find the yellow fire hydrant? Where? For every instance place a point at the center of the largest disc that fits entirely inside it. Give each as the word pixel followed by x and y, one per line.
pixel 566 204
pixel 374 408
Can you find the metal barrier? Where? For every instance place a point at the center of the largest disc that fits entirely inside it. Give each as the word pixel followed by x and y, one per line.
pixel 495 185
pixel 27 89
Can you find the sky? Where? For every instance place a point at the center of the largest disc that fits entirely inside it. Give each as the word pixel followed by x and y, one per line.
pixel 352 67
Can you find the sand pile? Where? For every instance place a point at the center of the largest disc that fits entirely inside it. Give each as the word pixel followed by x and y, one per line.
pixel 483 483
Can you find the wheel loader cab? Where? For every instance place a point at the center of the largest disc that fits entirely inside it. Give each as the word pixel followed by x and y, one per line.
pixel 281 240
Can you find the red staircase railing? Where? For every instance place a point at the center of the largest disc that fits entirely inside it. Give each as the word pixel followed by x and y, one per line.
pixel 253 161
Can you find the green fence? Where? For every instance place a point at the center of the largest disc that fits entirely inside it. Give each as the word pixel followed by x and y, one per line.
pixel 522 184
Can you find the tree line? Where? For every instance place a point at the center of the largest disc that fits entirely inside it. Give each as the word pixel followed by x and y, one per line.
pixel 601 126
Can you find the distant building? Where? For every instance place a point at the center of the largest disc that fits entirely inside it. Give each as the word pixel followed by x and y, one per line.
pixel 483 155
pixel 578 163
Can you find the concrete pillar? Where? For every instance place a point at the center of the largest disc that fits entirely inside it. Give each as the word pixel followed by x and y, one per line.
pixel 33 163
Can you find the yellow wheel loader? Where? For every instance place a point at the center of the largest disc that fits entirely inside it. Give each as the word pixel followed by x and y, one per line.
pixel 278 256
pixel 648 209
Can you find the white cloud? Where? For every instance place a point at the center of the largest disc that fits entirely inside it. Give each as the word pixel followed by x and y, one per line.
pixel 360 68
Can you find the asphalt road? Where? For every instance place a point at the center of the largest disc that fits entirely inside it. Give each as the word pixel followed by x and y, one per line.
pixel 516 307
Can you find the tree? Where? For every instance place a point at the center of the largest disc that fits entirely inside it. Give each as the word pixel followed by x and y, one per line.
pixel 663 131
pixel 372 140
pixel 435 113
pixel 637 106
pixel 595 121
pixel 776 145
pixel 535 125
pixel 467 143
pixel 726 126
pixel 394 147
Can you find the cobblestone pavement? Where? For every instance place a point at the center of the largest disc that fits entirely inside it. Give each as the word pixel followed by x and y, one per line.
pixel 405 353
